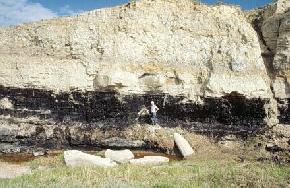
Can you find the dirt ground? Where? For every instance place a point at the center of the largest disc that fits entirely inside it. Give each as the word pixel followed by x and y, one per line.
pixel 8 170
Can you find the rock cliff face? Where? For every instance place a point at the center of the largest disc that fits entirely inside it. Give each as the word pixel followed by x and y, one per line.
pixel 273 25
pixel 174 47
pixel 201 64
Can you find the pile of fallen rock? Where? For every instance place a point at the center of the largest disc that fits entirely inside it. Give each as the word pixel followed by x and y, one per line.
pixel 114 157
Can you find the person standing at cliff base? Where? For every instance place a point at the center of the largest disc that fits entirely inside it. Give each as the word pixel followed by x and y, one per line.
pixel 153 111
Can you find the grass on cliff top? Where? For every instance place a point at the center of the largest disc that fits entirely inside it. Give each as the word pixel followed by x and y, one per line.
pixel 200 172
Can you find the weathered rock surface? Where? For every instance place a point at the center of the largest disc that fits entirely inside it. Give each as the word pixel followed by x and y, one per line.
pixel 5 103
pixel 39 153
pixel 282 6
pixel 176 47
pixel 183 145
pixel 150 160
pixel 78 158
pixel 119 156
pixel 273 27
pixel 23 135
pixel 117 142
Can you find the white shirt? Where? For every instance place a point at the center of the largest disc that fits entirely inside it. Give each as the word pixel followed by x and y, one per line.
pixel 154 108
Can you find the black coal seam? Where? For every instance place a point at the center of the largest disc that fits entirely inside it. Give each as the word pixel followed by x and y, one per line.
pixel 284 110
pixel 231 114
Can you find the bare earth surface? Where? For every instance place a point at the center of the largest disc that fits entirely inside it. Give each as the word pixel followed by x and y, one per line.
pixel 12 170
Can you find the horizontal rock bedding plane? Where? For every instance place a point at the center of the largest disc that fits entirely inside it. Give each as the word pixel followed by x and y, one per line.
pixel 83 80
pixel 179 48
pixel 106 109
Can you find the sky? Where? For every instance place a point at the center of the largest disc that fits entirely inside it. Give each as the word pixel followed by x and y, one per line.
pixel 13 12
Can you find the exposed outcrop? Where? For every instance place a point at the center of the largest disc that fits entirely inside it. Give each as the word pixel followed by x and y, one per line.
pixel 272 23
pixel 94 72
pixel 174 47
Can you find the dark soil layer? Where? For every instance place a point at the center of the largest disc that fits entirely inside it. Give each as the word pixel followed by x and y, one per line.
pixel 232 114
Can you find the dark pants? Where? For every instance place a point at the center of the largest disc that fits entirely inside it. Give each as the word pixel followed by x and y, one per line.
pixel 154 118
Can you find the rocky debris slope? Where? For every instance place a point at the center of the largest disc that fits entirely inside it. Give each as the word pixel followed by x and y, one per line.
pixel 29 137
pixel 279 140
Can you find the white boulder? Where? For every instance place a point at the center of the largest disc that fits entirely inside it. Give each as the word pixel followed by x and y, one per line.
pixel 183 145
pixel 39 153
pixel 5 103
pixel 120 156
pixel 150 160
pixel 78 158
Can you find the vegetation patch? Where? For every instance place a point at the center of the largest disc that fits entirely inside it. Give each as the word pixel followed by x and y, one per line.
pixel 224 171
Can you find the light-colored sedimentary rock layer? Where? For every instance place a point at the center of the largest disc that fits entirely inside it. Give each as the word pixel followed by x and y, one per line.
pixel 282 6
pixel 274 26
pixel 176 47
